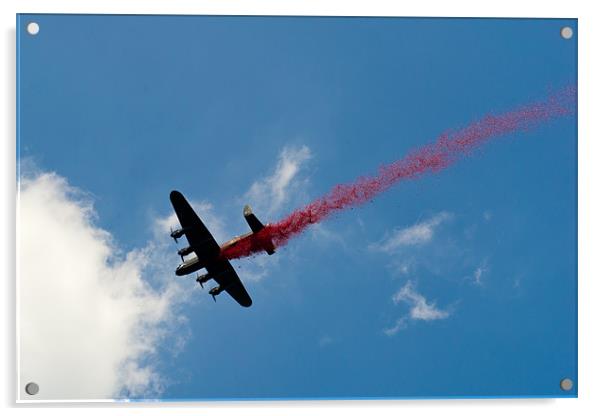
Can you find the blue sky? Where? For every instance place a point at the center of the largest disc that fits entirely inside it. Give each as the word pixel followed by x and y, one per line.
pixel 462 283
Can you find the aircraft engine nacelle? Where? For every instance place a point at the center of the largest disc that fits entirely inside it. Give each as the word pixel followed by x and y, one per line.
pixel 216 291
pixel 175 234
pixel 185 251
pixel 203 278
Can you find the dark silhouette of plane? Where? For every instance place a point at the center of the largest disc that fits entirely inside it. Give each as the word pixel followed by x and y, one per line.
pixel 208 252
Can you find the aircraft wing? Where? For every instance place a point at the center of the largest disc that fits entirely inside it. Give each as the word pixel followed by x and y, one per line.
pixel 225 275
pixel 198 236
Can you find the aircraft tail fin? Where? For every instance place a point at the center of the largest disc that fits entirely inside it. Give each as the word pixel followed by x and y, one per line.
pixel 256 226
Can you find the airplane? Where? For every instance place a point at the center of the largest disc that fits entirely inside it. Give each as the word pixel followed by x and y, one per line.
pixel 208 252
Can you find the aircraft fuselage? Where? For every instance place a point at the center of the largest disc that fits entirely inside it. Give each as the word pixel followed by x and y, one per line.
pixel 195 264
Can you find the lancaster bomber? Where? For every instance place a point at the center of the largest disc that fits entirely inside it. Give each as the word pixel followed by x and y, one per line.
pixel 208 252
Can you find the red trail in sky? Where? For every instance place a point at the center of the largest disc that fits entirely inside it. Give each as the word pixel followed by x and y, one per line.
pixel 433 157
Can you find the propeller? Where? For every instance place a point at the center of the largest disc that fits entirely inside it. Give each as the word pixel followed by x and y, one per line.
pixel 214 298
pixel 198 279
pixel 174 238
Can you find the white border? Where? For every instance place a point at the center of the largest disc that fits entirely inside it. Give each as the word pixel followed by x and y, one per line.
pixel 590 137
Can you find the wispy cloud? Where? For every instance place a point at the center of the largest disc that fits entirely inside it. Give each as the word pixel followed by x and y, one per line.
pixel 271 193
pixel 405 267
pixel 400 324
pixel 91 317
pixel 419 308
pixel 417 234
pixel 479 273
pixel 487 215
pixel 517 282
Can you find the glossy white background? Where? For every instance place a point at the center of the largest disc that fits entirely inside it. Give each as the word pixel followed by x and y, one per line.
pixel 590 153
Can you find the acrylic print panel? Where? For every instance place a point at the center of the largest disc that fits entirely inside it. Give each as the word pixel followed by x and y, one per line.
pixel 411 229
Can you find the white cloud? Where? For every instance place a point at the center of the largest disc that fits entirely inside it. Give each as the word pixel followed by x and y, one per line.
pixel 400 324
pixel 90 317
pixel 480 272
pixel 477 275
pixel 270 194
pixel 420 308
pixel 416 234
